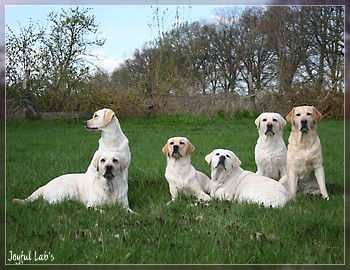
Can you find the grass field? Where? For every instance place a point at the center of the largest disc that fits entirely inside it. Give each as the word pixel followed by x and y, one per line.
pixel 308 230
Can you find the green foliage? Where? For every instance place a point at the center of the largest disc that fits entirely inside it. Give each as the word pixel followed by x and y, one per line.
pixel 52 61
pixel 221 114
pixel 245 114
pixel 308 230
pixel 275 57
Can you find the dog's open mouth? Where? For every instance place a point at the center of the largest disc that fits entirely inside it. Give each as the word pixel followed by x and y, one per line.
pixel 221 162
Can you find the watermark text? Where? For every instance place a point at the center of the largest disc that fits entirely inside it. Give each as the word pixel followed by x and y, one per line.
pixel 30 256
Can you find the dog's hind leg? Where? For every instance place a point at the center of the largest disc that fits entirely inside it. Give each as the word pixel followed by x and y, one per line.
pixel 34 196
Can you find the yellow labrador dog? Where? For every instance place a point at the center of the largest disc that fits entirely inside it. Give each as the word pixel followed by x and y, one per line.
pixel 105 186
pixel 180 174
pixel 112 136
pixel 270 149
pixel 305 172
pixel 230 182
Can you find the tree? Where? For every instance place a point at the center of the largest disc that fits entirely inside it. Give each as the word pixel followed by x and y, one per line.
pixel 325 60
pixel 65 54
pixel 55 61
pixel 225 43
pixel 22 67
pixel 287 40
pixel 256 68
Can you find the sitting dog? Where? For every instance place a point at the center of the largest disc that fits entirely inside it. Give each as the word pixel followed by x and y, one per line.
pixel 270 149
pixel 180 174
pixel 105 186
pixel 230 182
pixel 305 172
pixel 112 136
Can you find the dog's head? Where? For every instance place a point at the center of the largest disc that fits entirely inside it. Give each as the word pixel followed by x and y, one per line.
pixel 222 159
pixel 100 119
pixel 110 164
pixel 304 118
pixel 178 147
pixel 269 123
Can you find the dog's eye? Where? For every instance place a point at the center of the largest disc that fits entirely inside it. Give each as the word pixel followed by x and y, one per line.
pixel 217 154
pixel 298 114
pixel 182 143
pixel 103 160
pixel 172 143
pixel 228 156
pixel 309 113
pixel 115 160
pixel 95 115
pixel 264 119
pixel 275 120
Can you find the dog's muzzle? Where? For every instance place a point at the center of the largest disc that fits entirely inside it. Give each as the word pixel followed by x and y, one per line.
pixel 89 128
pixel 176 153
pixel 304 126
pixel 269 129
pixel 109 172
pixel 221 162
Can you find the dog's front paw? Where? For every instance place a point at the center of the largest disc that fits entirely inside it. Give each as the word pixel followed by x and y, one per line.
pixel 326 197
pixel 131 212
pixel 169 202
pixel 204 197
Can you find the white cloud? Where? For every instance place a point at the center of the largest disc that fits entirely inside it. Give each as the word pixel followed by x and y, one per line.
pixel 109 64
pixel 105 63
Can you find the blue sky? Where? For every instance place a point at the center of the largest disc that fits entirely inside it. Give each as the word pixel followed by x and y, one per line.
pixel 125 27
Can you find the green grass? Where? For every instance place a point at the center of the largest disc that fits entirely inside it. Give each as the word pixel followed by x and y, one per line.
pixel 307 230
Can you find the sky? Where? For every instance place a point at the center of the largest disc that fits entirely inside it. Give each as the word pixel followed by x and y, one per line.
pixel 125 27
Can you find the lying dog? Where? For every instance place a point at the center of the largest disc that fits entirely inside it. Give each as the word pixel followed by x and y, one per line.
pixel 305 172
pixel 230 182
pixel 112 136
pixel 180 174
pixel 270 149
pixel 105 186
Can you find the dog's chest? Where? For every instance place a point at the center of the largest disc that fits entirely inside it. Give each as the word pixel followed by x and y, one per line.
pixel 304 161
pixel 222 191
pixel 305 156
pixel 179 175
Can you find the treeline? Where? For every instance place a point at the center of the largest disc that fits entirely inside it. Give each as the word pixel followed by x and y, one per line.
pixel 268 56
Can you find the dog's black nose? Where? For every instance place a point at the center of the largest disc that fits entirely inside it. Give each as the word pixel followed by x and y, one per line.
pixel 109 168
pixel 175 149
pixel 222 159
pixel 269 126
pixel 304 123
pixel 221 162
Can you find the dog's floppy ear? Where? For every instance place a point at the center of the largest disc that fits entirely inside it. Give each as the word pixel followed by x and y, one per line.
pixel 290 116
pixel 190 148
pixel 236 162
pixel 95 162
pixel 282 121
pixel 257 121
pixel 123 163
pixel 165 149
pixel 318 115
pixel 108 115
pixel 208 158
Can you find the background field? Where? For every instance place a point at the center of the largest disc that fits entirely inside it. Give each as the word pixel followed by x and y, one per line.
pixel 308 230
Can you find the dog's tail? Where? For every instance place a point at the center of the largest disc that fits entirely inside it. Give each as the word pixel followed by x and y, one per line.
pixel 35 195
